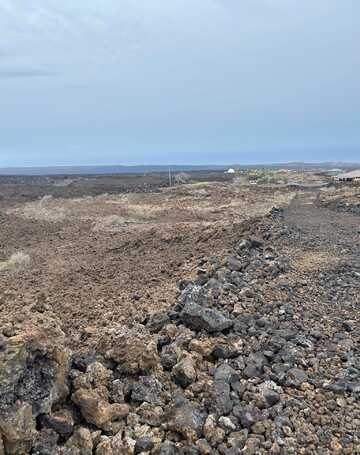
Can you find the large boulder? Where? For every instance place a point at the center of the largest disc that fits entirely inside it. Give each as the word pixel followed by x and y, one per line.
pixel 33 377
pixel 193 294
pixel 203 318
pixel 134 349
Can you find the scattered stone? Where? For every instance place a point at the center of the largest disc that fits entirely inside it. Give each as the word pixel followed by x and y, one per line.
pixel 18 428
pixel 184 373
pixel 116 391
pixel 204 447
pixel 168 357
pixel 234 264
pixel 213 434
pixel 247 416
pixel 168 448
pixel 150 414
pixel 157 321
pixel 202 347
pixel 220 401
pixel 98 411
pixel 133 349
pixel 255 365
pixel 143 445
pixel 186 419
pixel 227 424
pixel 199 318
pixel 62 422
pixel 295 377
pixel 147 389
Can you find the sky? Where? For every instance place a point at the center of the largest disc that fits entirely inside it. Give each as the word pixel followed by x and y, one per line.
pixel 179 81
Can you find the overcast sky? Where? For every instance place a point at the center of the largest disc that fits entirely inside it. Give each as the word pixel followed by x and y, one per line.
pixel 178 81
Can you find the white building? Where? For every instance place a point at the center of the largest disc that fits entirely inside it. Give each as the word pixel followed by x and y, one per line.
pixel 353 176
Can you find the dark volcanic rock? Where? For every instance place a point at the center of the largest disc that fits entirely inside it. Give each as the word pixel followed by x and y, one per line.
pixel 193 294
pixel 295 377
pixel 33 377
pixel 198 318
pixel 61 422
pixel 248 416
pixel 117 391
pixel 168 448
pixel 234 264
pixel 184 372
pixel 168 357
pixel 225 351
pixel 148 389
pixel 189 450
pixel 221 402
pixel 157 321
pixel 143 445
pixel 186 419
pixel 255 365
pixel 225 373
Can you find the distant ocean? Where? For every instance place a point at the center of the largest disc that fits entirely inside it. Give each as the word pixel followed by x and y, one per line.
pixel 95 170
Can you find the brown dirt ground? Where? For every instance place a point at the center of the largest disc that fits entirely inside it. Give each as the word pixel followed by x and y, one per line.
pixel 109 259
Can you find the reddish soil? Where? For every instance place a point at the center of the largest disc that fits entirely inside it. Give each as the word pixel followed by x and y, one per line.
pixel 92 272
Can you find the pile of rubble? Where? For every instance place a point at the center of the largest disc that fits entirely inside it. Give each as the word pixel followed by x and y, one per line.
pixel 232 368
pixel 343 199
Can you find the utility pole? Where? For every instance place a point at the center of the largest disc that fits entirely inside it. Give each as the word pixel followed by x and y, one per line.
pixel 169 177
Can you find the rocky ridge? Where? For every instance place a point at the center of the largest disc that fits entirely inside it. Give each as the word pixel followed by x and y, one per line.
pixel 244 362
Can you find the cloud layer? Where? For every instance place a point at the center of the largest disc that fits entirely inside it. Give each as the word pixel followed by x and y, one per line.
pixel 152 81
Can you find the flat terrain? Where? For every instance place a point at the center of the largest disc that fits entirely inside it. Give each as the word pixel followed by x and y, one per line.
pixel 28 188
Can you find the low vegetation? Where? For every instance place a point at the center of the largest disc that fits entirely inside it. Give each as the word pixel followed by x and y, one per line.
pixel 17 261
pixel 45 209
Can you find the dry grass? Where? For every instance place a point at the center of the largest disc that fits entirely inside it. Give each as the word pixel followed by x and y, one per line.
pixel 46 209
pixel 17 261
pixel 187 203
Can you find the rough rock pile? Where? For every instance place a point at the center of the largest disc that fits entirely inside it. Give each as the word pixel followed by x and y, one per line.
pixel 232 368
pixel 345 199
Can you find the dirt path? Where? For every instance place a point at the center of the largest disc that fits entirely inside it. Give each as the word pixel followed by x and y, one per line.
pixel 324 229
pixel 324 250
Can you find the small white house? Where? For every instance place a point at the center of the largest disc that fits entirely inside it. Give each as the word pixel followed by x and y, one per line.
pixel 230 171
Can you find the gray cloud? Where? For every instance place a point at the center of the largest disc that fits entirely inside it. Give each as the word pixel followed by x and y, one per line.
pixel 19 73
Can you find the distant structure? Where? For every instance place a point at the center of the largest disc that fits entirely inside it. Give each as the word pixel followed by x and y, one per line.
pixel 353 176
pixel 333 172
pixel 182 177
pixel 230 171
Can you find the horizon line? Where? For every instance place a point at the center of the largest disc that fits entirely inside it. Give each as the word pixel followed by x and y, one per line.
pixel 252 163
